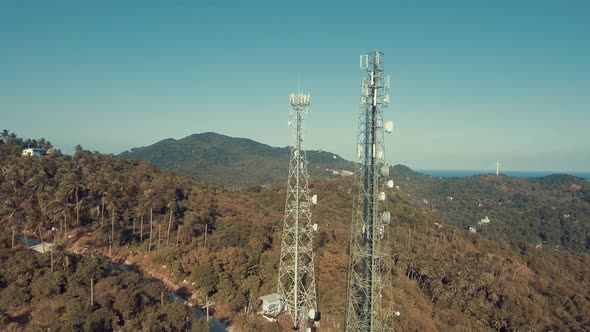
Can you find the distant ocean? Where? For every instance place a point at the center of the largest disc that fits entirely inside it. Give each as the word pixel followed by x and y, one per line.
pixel 518 174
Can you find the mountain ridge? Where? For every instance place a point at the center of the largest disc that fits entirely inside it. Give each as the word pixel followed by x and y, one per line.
pixel 552 210
pixel 232 161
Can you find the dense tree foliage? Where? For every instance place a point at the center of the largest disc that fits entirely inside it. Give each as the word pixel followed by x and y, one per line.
pixel 550 211
pixel 210 242
pixel 553 210
pixel 33 295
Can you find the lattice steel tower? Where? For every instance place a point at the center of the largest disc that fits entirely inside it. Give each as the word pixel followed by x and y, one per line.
pixel 366 275
pixel 296 284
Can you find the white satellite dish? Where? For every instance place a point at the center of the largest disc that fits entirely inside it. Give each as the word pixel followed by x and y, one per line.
pixel 382 196
pixel 385 170
pixel 315 227
pixel 389 184
pixel 290 123
pixel 389 126
pixel 314 199
pixel 386 217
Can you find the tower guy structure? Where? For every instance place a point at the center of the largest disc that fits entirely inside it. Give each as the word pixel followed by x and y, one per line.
pixel 366 273
pixel 296 286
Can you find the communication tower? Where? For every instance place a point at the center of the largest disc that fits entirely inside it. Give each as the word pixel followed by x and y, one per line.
pixel 366 272
pixel 296 286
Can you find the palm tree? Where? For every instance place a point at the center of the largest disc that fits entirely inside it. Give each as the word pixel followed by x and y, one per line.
pixel 139 212
pixel 59 210
pixel 171 207
pixel 60 256
pixel 12 138
pixel 4 135
pixel 98 185
pixel 72 185
pixel 150 200
pixel 111 198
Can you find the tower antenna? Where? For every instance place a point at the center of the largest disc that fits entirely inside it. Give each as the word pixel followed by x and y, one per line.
pixel 367 275
pixel 498 167
pixel 296 285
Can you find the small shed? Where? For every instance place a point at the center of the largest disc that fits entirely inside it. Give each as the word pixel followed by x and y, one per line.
pixel 272 304
pixel 484 221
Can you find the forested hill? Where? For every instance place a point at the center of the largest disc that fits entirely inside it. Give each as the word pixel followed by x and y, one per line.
pixel 234 162
pixel 225 244
pixel 549 211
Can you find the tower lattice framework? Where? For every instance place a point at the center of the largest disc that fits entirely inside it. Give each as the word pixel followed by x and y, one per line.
pixel 296 284
pixel 367 273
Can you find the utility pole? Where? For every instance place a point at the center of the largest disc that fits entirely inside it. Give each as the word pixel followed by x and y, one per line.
pixel 112 231
pixel 297 285
pixel 206 231
pixel 366 275
pixel 207 305
pixel 41 238
pixel 159 237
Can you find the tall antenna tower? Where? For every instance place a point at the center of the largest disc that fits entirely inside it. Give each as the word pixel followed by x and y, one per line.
pixel 366 272
pixel 296 284
pixel 497 167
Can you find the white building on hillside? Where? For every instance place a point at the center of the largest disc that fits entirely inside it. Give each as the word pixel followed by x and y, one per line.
pixel 485 220
pixel 33 152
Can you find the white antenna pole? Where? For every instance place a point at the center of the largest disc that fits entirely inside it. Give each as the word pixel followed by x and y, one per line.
pixel 497 167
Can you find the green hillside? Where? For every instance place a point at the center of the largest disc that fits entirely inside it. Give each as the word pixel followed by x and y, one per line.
pixel 234 162
pixel 551 211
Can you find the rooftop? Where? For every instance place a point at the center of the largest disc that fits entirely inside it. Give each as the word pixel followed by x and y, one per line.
pixel 274 297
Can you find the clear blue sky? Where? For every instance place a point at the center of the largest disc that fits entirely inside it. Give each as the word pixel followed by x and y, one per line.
pixel 472 81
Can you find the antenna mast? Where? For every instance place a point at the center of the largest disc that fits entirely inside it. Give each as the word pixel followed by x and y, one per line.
pixel 296 286
pixel 366 272
pixel 497 167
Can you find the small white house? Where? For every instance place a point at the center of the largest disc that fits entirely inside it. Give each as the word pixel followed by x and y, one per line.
pixel 472 229
pixel 272 304
pixel 33 152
